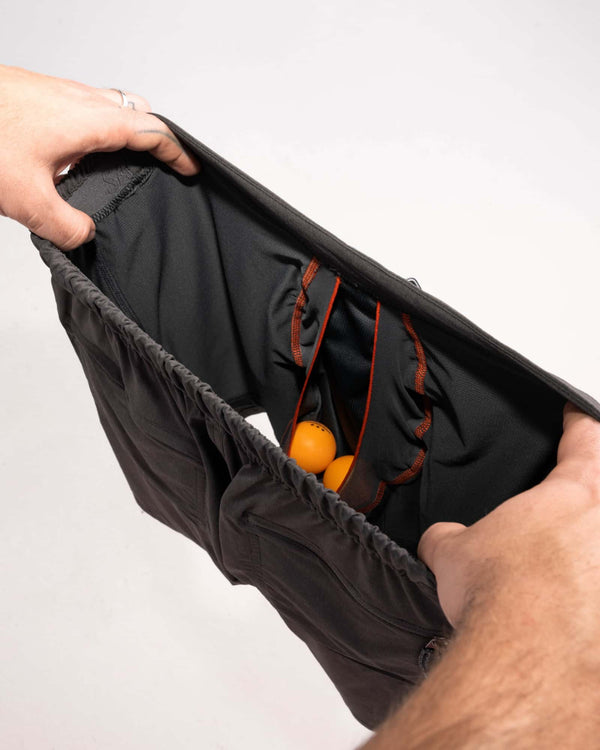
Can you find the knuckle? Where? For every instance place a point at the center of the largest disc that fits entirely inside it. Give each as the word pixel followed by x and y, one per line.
pixel 174 161
pixel 141 103
pixel 130 121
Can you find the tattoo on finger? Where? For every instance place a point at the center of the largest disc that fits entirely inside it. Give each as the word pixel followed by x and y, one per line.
pixel 170 136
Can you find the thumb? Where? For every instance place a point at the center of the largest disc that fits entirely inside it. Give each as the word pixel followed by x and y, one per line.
pixel 46 214
pixel 429 544
pixel 580 438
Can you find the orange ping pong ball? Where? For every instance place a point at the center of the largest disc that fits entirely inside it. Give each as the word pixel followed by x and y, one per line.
pixel 336 472
pixel 313 446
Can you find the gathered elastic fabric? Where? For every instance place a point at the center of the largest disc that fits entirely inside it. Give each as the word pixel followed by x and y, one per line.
pixel 255 445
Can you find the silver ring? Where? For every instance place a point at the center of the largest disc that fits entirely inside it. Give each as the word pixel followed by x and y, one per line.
pixel 125 101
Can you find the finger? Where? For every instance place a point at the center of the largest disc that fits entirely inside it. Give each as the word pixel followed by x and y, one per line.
pixel 46 214
pixel 570 414
pixel 151 134
pixel 114 96
pixel 580 440
pixel 140 131
pixel 438 533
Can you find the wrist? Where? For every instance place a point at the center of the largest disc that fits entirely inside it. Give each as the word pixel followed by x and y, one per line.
pixel 542 608
pixel 512 674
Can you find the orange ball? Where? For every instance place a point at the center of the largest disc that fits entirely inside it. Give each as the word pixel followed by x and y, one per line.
pixel 313 446
pixel 336 472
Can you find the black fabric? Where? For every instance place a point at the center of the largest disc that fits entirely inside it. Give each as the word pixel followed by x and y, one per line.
pixel 207 299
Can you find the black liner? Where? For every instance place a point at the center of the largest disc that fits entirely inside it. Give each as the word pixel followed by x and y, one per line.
pixel 181 313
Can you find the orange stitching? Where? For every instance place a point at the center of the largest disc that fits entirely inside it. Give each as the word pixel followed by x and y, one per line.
pixel 417 464
pixel 309 275
pixel 412 471
pixel 378 497
pixel 422 366
pixel 420 373
pixel 426 423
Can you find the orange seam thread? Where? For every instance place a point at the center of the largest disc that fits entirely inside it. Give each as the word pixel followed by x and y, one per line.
pixel 422 364
pixel 309 275
pixel 420 373
pixel 378 497
pixel 417 464
pixel 412 471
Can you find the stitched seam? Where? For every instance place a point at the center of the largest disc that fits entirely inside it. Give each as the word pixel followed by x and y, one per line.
pixel 413 470
pixel 426 423
pixel 417 464
pixel 420 373
pixel 386 672
pixel 309 275
pixel 115 289
pixel 142 177
pixel 378 498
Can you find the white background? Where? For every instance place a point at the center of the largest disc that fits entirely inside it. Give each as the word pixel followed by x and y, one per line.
pixel 456 142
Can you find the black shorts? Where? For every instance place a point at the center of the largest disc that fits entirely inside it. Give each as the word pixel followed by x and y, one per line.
pixel 207 299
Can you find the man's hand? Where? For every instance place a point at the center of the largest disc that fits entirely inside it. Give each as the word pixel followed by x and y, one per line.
pixel 547 533
pixel 48 124
pixel 522 587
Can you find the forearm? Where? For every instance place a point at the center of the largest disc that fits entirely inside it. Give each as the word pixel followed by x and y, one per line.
pixel 519 673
